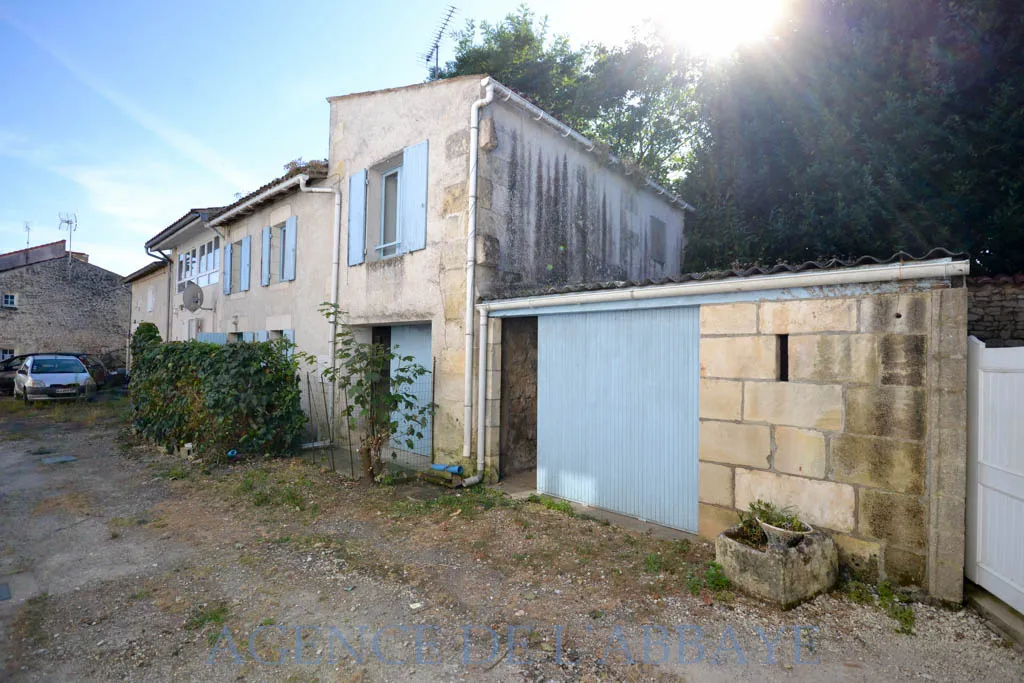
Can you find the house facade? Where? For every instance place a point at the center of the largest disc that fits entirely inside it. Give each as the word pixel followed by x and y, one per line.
pixel 51 300
pixel 393 253
pixel 151 290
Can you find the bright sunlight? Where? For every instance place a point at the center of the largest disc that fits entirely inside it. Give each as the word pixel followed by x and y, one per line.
pixel 718 27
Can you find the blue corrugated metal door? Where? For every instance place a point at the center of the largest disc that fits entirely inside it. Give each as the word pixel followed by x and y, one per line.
pixel 617 411
pixel 414 340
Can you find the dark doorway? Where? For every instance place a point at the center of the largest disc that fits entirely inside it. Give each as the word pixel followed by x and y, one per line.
pixel 518 396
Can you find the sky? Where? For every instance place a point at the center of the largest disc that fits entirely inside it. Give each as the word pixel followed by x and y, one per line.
pixel 130 113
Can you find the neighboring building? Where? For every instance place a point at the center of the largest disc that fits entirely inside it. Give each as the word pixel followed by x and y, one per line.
pixel 49 302
pixel 549 212
pixel 151 291
pixel 840 391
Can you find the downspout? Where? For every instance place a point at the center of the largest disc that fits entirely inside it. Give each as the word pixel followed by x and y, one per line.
pixel 170 286
pixel 474 134
pixel 335 271
pixel 481 401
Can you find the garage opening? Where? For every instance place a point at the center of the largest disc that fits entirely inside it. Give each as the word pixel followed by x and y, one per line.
pixel 518 436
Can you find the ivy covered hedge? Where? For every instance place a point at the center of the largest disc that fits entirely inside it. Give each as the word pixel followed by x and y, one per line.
pixel 242 397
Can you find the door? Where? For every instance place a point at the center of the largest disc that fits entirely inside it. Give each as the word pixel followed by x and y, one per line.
pixel 414 340
pixel 995 471
pixel 617 411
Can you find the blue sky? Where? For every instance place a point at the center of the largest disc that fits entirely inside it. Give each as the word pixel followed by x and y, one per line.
pixel 130 113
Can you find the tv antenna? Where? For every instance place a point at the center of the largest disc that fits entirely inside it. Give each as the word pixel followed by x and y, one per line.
pixel 433 51
pixel 28 231
pixel 69 222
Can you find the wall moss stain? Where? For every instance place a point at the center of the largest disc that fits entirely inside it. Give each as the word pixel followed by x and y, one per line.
pixel 899 519
pixel 896 412
pixel 904 567
pixel 903 359
pixel 893 465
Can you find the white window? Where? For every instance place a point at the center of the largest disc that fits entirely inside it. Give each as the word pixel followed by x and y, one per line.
pixel 657 241
pixel 6 353
pixel 150 299
pixel 200 265
pixel 389 236
pixel 10 300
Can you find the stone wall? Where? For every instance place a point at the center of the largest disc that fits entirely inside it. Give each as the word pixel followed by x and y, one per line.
pixel 995 310
pixel 518 395
pixel 865 437
pixel 81 309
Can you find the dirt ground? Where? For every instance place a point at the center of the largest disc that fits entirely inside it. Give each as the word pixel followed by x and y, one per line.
pixel 127 564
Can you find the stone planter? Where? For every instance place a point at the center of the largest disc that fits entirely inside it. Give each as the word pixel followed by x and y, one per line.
pixel 783 538
pixel 785 576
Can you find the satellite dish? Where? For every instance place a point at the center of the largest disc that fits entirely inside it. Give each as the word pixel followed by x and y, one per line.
pixel 192 297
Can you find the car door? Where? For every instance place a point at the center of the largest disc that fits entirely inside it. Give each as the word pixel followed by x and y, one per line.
pixel 8 368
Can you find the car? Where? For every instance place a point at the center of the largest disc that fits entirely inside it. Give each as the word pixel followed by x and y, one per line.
pixel 8 367
pixel 49 377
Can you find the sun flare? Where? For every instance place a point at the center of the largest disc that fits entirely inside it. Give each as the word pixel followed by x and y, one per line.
pixel 718 27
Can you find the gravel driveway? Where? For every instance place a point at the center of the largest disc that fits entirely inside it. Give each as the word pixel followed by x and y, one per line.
pixel 127 564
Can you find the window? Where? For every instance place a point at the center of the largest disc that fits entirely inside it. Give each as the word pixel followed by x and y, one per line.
pixel 200 265
pixel 195 326
pixel 6 353
pixel 657 243
pixel 236 266
pixel 10 301
pixel 387 214
pixel 150 299
pixel 277 262
pixel 234 337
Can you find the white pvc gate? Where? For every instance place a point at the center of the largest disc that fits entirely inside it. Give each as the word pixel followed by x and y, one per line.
pixel 995 471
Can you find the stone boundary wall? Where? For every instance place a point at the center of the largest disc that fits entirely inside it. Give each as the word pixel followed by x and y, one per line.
pixel 866 437
pixel 995 310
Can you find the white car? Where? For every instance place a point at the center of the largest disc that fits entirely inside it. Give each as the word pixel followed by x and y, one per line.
pixel 48 377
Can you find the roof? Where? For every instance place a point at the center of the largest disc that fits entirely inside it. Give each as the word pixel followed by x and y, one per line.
pixel 411 86
pixel 517 291
pixel 145 270
pixel 30 255
pixel 314 170
pixel 190 215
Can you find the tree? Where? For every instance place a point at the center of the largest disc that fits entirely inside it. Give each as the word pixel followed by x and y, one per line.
pixel 376 382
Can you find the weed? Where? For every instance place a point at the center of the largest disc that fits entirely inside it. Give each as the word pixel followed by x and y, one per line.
pixel 209 614
pixel 860 593
pixel 141 595
pixel 693 584
pixel 555 504
pixel 28 625
pixel 714 578
pixel 466 503
pixel 893 603
pixel 652 563
pixel 268 621
pixel 595 613
pixel 174 473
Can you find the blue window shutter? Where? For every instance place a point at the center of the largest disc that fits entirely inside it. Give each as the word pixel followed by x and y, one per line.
pixel 248 336
pixel 227 268
pixel 262 336
pixel 265 257
pixel 290 336
pixel 213 337
pixel 288 245
pixel 243 286
pixel 412 195
pixel 356 218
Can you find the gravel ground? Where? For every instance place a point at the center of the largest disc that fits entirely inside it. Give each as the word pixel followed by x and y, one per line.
pixel 129 565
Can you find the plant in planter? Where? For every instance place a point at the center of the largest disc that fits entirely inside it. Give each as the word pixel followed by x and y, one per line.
pixel 782 526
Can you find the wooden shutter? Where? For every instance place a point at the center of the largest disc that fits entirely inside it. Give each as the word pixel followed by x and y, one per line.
pixel 356 218
pixel 227 268
pixel 288 245
pixel 243 286
pixel 412 196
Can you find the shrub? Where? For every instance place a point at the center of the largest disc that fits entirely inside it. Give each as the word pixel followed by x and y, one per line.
pixel 238 396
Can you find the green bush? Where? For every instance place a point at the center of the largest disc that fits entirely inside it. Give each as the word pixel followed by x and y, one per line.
pixel 242 396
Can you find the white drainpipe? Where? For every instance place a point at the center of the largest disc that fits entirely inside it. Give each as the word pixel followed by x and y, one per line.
pixel 474 135
pixel 481 402
pixel 335 269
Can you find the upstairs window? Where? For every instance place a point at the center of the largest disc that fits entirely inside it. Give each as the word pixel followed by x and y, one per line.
pixel 657 241
pixel 5 354
pixel 9 301
pixel 200 264
pixel 236 265
pixel 278 250
pixel 387 214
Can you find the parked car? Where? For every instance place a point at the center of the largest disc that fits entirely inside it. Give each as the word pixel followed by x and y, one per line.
pixel 8 367
pixel 48 377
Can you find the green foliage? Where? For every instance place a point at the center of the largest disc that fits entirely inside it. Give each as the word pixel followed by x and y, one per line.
pixel 652 563
pixel 714 578
pixel 893 603
pixel 556 504
pixel 466 503
pixel 377 384
pixel 241 396
pixel 206 615
pixel 265 490
pixel 145 337
pixel 769 513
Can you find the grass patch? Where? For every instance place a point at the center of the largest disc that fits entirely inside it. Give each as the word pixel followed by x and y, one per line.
pixel 264 489
pixel 894 603
pixel 75 503
pixel 28 624
pixel 555 504
pixel 207 615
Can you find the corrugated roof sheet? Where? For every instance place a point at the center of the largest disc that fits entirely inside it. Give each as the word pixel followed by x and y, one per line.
pixel 514 291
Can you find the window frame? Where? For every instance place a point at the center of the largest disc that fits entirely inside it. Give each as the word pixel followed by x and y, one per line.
pixel 200 264
pixel 7 354
pixel 236 276
pixel 382 246
pixel 10 297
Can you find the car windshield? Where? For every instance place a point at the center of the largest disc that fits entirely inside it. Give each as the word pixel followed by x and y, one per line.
pixel 55 366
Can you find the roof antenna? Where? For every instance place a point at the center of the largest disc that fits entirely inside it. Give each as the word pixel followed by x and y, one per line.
pixel 433 51
pixel 28 231
pixel 69 222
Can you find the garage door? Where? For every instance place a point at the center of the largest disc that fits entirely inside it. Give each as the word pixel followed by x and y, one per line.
pixel 617 411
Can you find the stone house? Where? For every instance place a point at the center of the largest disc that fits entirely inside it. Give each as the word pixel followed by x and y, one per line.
pixel 50 302
pixel 840 391
pixel 412 173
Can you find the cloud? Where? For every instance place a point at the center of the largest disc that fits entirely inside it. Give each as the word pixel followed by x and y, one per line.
pixel 185 144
